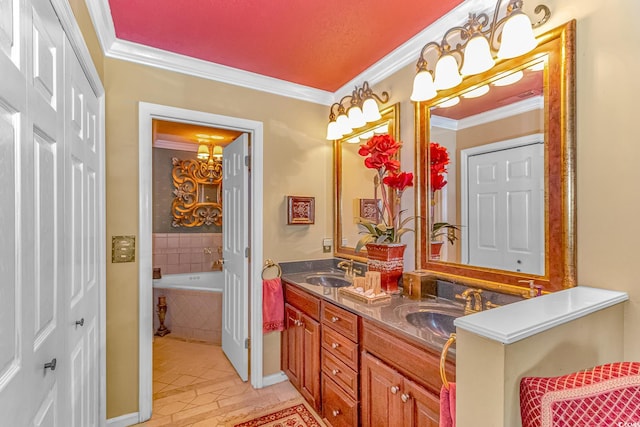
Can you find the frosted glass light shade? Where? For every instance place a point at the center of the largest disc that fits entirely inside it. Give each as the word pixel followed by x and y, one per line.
pixel 447 74
pixel 203 152
pixel 423 88
pixel 356 118
pixel 217 152
pixel 477 56
pixel 517 36
pixel 382 129
pixel 370 110
pixel 367 135
pixel 333 131
pixel 354 140
pixel 343 124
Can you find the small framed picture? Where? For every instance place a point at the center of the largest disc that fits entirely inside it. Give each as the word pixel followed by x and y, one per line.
pixel 369 210
pixel 301 210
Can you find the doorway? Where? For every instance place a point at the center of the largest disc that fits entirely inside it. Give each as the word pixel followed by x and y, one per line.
pixel 147 113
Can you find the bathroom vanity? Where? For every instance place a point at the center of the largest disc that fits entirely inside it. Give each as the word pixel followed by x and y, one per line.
pixel 362 364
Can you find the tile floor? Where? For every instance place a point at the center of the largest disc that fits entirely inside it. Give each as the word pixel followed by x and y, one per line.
pixel 194 385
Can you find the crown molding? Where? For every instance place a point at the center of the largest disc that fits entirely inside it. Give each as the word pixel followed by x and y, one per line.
pixel 399 58
pixel 175 145
pixel 520 107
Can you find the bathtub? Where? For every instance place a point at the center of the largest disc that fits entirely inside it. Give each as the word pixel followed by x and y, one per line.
pixel 210 281
pixel 194 305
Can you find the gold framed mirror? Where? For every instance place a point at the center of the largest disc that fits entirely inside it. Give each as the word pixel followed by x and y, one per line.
pixel 353 183
pixel 197 193
pixel 504 235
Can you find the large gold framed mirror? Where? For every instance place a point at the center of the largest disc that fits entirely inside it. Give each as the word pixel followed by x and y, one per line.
pixel 510 179
pixel 353 183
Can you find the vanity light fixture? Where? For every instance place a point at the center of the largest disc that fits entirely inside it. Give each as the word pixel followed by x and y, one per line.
pixel 474 46
pixel 354 111
pixel 210 160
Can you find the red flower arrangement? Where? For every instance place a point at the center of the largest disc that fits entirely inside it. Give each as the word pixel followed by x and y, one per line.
pixel 439 159
pixel 379 152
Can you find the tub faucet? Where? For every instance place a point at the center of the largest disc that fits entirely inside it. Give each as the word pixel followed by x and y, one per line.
pixel 347 266
pixel 468 295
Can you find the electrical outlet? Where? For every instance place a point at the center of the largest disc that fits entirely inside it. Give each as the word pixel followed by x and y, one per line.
pixel 326 245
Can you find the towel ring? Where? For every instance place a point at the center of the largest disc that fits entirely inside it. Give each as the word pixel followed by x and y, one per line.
pixel 269 264
pixel 443 359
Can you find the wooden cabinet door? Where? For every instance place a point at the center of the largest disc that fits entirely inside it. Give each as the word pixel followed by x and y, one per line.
pixel 291 355
pixel 380 390
pixel 421 408
pixel 309 354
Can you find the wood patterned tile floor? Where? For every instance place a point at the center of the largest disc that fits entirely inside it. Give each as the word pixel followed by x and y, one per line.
pixel 194 385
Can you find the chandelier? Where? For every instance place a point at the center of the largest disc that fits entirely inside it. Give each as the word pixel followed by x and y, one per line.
pixel 474 47
pixel 361 108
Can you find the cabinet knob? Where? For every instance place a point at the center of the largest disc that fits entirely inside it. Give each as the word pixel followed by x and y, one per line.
pixel 335 345
pixel 80 322
pixel 334 319
pixel 51 365
pixel 335 371
pixel 405 397
pixel 335 412
pixel 395 389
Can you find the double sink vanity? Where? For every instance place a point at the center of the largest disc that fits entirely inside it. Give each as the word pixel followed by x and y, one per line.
pixel 356 362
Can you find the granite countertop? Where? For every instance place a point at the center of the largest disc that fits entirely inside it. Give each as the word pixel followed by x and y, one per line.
pixel 390 313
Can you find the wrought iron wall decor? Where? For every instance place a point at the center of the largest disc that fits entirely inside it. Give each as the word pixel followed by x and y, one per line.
pixel 198 193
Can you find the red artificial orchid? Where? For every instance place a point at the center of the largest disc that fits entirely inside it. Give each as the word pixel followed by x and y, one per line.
pixel 380 154
pixel 438 161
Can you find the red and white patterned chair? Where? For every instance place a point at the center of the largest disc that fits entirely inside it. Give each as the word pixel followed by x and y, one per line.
pixel 604 396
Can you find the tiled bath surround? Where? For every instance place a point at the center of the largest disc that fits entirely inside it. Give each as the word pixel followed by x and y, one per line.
pixel 191 315
pixel 177 253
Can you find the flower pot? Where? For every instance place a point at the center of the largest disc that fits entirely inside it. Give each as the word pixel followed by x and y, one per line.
pixel 388 259
pixel 436 247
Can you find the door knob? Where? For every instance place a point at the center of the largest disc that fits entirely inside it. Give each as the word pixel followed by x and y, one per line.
pixel 334 319
pixel 394 389
pixel 80 322
pixel 335 345
pixel 51 365
pixel 335 371
pixel 336 412
pixel 405 397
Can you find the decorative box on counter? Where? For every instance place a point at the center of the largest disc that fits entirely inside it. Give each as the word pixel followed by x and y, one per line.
pixel 419 284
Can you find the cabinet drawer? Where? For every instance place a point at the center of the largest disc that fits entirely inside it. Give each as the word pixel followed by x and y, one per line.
pixel 344 349
pixel 341 320
pixel 303 301
pixel 339 409
pixel 344 376
pixel 408 358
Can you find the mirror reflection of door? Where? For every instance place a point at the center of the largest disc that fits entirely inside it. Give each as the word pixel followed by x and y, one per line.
pixel 504 210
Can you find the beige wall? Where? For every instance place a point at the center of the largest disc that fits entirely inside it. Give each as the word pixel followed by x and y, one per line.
pixel 298 161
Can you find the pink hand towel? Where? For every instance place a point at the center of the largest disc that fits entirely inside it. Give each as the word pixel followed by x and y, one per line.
pixel 448 406
pixel 272 305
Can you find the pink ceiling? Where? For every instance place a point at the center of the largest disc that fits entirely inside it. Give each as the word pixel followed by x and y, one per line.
pixel 317 43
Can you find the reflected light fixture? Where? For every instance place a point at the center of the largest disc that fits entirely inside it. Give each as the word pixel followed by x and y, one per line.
pixel 477 92
pixel 509 79
pixel 354 111
pixel 475 45
pixel 449 102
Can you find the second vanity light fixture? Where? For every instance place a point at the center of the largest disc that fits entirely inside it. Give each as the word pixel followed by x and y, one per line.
pixel 361 108
pixel 470 49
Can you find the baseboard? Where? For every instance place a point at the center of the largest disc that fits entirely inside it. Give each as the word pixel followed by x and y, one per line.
pixel 272 379
pixel 123 420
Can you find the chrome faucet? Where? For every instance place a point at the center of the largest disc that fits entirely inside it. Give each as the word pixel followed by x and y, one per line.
pixel 347 266
pixel 468 295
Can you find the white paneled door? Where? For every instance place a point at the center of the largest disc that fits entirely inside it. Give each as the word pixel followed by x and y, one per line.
pixel 506 209
pixel 235 246
pixel 38 378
